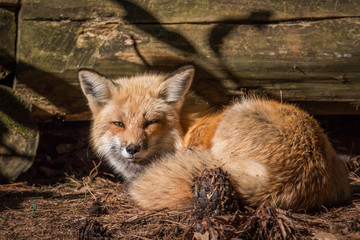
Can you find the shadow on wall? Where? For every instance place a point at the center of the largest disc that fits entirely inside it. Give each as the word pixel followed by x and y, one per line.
pixel 61 94
pixel 137 15
pixel 43 82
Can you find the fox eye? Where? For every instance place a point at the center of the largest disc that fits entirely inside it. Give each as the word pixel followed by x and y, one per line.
pixel 119 124
pixel 148 123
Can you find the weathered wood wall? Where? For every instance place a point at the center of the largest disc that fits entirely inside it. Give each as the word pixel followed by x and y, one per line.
pixel 302 51
pixel 7 41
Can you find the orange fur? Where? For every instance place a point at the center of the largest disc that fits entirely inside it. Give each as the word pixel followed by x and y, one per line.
pixel 275 153
pixel 200 135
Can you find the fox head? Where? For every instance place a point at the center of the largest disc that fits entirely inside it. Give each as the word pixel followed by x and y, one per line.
pixel 135 119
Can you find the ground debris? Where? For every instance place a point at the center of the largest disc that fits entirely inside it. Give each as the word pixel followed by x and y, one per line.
pixel 204 230
pixel 97 209
pixel 65 211
pixel 67 205
pixel 92 230
pixel 269 223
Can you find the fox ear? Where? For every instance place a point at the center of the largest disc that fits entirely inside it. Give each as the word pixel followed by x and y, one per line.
pixel 176 84
pixel 95 88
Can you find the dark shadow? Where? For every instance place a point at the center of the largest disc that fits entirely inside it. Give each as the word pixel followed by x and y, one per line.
pixel 10 104
pixel 224 28
pixel 138 53
pixel 56 90
pixel 356 192
pixel 62 94
pixel 147 22
pixel 139 16
pixel 343 132
pixel 218 34
pixel 64 150
pixel 7 68
pixel 13 199
pixel 59 92
pixel 8 80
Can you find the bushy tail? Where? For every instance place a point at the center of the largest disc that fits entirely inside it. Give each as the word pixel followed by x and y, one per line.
pixel 167 183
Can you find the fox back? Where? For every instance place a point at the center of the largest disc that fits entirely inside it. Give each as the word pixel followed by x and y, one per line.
pixel 136 119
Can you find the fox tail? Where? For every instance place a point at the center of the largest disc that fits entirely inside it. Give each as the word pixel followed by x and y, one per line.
pixel 167 183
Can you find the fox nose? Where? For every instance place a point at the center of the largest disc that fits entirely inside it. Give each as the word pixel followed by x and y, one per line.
pixel 133 149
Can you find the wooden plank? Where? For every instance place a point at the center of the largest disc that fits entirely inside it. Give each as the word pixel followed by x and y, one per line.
pixel 9 3
pixel 7 46
pixel 306 60
pixel 189 11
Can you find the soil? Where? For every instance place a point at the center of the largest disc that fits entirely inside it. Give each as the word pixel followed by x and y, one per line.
pixel 69 194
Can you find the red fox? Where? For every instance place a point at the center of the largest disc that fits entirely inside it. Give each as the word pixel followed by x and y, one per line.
pixel 152 132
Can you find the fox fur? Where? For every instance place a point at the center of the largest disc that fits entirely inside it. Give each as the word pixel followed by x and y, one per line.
pixel 153 132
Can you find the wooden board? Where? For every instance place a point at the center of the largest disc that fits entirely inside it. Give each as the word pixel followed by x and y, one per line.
pixel 9 3
pixel 188 11
pixel 308 53
pixel 7 46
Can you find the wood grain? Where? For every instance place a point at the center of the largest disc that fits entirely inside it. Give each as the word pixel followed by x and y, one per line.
pixel 307 53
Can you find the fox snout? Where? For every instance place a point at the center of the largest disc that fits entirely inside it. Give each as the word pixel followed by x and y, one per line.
pixel 132 149
pixel 135 150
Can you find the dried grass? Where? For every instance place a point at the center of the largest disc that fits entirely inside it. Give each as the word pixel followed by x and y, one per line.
pixel 88 203
pixel 98 208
